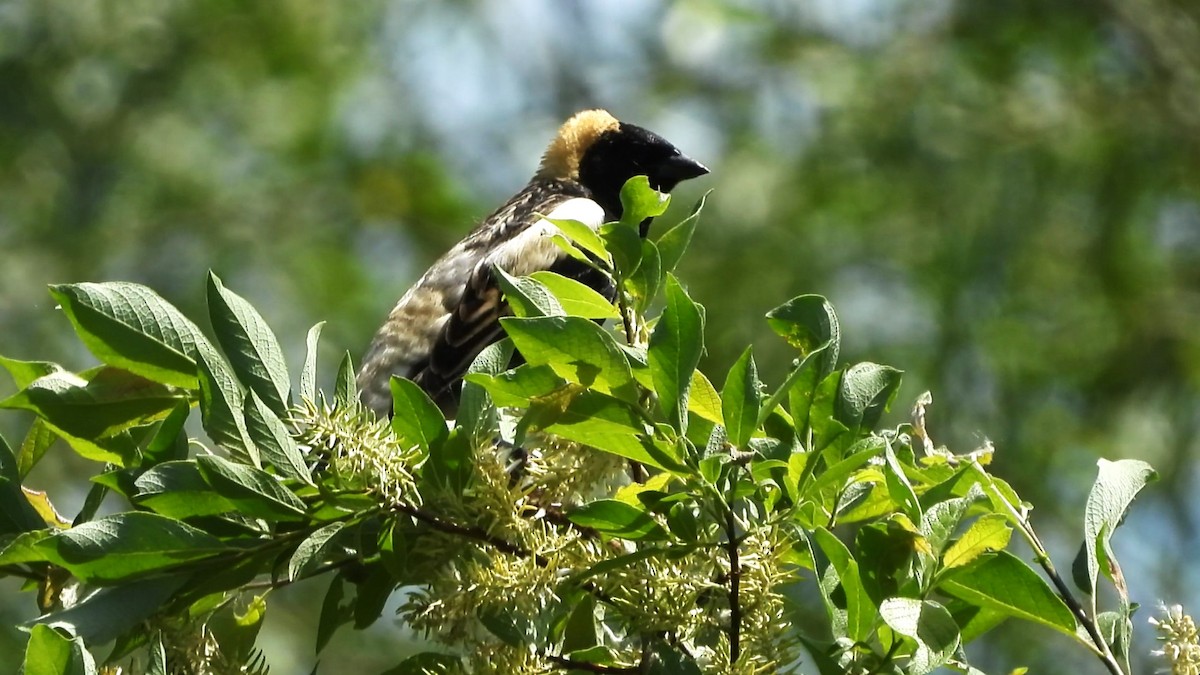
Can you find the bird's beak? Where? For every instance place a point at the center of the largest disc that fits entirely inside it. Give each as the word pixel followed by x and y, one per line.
pixel 679 167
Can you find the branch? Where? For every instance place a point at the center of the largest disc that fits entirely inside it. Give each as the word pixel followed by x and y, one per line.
pixel 470 532
pixel 735 584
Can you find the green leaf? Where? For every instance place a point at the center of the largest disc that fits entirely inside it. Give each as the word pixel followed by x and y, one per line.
pixel 477 416
pixel 584 237
pixel 820 412
pixel 25 372
pixel 314 550
pixel 673 242
pixel 221 404
pixel 23 548
pixel 373 593
pixel 740 400
pixel 526 296
pixel 86 412
pixel 988 534
pixel 1003 583
pixel 49 653
pixel 812 318
pixel 808 323
pixel 504 622
pixel 612 426
pixel 345 389
pixel 833 476
pixel 622 561
pixel 579 629
pixel 37 441
pixel 131 327
pixel 251 347
pixel 170 440
pixel 276 446
pixel 668 660
pixel 861 613
pixel 940 521
pixel 625 245
pixel 104 615
pixel 1117 483
pixel 416 419
pixel 335 612
pixel 255 492
pixel 639 201
pixel 236 631
pixel 450 465
pixel 644 284
pixel 618 519
pixel 927 623
pixel 899 488
pixel 674 353
pixel 577 299
pixel 127 545
pixel 308 374
pixel 703 399
pixel 865 393
pixel 16 513
pixel 577 350
pixel 517 387
pixel 176 489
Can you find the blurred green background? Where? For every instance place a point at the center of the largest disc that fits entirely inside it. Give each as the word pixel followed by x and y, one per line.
pixel 1001 198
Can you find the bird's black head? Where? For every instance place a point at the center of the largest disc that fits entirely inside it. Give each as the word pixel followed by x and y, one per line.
pixel 602 153
pixel 627 151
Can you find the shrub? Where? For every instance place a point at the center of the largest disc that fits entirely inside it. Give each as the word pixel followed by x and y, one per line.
pixel 601 507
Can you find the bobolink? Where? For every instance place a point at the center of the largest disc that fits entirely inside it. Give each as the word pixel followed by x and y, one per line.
pixel 452 313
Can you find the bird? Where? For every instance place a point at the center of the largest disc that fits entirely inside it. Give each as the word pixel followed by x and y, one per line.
pixel 453 311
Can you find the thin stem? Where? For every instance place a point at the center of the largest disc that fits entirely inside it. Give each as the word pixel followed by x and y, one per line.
pixel 481 535
pixel 470 532
pixel 735 583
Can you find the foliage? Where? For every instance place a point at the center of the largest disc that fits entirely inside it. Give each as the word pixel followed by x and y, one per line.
pixel 600 507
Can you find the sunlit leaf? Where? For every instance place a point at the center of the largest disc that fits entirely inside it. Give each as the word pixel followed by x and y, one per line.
pixel 527 296
pixel 250 345
pixel 988 534
pixel 576 298
pixel 131 327
pixel 675 348
pixel 740 400
pixel 416 419
pixel 617 519
pixel 308 374
pixel 254 491
pixel 1002 582
pixel 577 350
pixel 128 545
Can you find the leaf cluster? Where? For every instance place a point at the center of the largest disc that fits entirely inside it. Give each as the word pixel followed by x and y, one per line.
pixel 600 507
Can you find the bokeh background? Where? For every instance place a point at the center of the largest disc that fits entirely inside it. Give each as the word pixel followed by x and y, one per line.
pixel 1001 198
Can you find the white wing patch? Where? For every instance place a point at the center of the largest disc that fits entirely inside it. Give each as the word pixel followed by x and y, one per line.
pixel 533 249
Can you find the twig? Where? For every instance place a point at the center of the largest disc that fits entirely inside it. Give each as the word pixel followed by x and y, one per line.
pixel 735 582
pixel 470 532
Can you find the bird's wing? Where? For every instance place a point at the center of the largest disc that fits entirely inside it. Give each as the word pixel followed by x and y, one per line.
pixel 474 321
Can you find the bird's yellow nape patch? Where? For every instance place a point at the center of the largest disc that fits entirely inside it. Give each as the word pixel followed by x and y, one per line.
pixel 573 139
